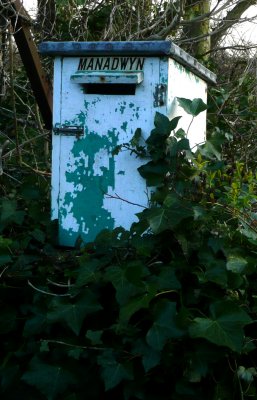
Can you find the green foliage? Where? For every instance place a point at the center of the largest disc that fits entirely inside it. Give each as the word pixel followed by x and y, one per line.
pixel 50 380
pixel 225 328
pixel 192 107
pixel 164 311
pixel 232 107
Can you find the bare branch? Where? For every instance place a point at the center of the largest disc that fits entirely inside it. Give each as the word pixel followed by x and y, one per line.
pixel 230 19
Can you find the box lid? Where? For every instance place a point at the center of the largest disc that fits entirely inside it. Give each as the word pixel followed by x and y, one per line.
pixel 158 48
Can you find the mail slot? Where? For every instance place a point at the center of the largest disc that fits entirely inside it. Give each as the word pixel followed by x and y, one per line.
pixel 103 92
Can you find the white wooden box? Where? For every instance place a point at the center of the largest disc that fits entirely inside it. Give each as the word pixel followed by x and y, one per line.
pixel 103 92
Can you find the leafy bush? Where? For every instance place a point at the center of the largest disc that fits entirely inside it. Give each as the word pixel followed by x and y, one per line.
pixel 166 310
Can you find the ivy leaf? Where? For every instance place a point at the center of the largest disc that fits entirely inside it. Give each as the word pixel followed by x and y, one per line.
pixel 136 137
pixel 158 220
pixel 154 173
pixel 170 215
pixel 200 359
pixel 248 232
pixel 112 371
pixel 9 212
pixel 163 125
pixel 180 134
pixel 144 245
pixel 35 325
pixel 210 151
pixel 88 272
pixel 192 107
pixel 215 273
pixel 224 328
pixel 75 353
pixel 74 313
pixel 39 235
pixel 8 209
pixel 94 337
pixel 213 269
pixel 165 325
pixel 150 356
pixel 174 123
pixel 50 380
pixel 134 305
pixel 236 264
pixel 178 209
pixel 167 279
pixel 124 288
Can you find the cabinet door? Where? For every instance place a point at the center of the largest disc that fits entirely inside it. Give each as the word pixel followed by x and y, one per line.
pixel 94 189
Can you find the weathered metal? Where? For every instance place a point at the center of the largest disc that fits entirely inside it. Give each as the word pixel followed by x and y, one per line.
pixel 93 188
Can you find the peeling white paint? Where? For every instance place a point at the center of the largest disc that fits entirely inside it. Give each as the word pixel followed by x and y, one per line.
pixel 105 117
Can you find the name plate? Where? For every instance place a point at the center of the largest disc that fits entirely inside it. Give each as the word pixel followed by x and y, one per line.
pixel 111 64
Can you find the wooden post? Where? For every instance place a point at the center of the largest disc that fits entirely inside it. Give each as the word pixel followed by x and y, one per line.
pixel 28 51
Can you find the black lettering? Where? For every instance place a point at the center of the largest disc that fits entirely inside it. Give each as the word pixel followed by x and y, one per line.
pixel 82 64
pixel 99 63
pixel 115 63
pixel 90 65
pixel 132 62
pixel 123 63
pixel 107 64
pixel 140 63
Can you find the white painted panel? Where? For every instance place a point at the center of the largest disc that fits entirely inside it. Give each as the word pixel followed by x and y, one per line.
pixel 92 180
pixel 183 83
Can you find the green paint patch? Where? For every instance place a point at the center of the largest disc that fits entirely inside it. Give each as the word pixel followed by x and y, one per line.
pixel 96 101
pixel 123 107
pixel 86 104
pixel 124 126
pixel 91 181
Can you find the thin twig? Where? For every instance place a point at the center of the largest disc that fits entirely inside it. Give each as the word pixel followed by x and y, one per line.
pixel 62 285
pixel 2 272
pixel 117 197
pixel 74 345
pixel 48 293
pixel 26 142
pixel 37 171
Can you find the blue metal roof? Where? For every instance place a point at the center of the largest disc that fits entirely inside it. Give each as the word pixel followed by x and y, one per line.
pixel 139 48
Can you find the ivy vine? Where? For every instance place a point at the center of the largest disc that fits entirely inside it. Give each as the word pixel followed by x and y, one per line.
pixel 164 311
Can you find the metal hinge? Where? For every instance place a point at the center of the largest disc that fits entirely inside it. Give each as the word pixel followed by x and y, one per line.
pixel 68 130
pixel 160 95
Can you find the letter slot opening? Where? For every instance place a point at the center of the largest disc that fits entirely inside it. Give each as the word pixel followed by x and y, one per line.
pixel 106 82
pixel 106 88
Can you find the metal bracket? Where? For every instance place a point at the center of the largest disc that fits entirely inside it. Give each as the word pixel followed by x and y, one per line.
pixel 68 130
pixel 160 95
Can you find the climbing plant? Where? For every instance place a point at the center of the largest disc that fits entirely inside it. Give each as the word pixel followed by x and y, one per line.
pixel 166 310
